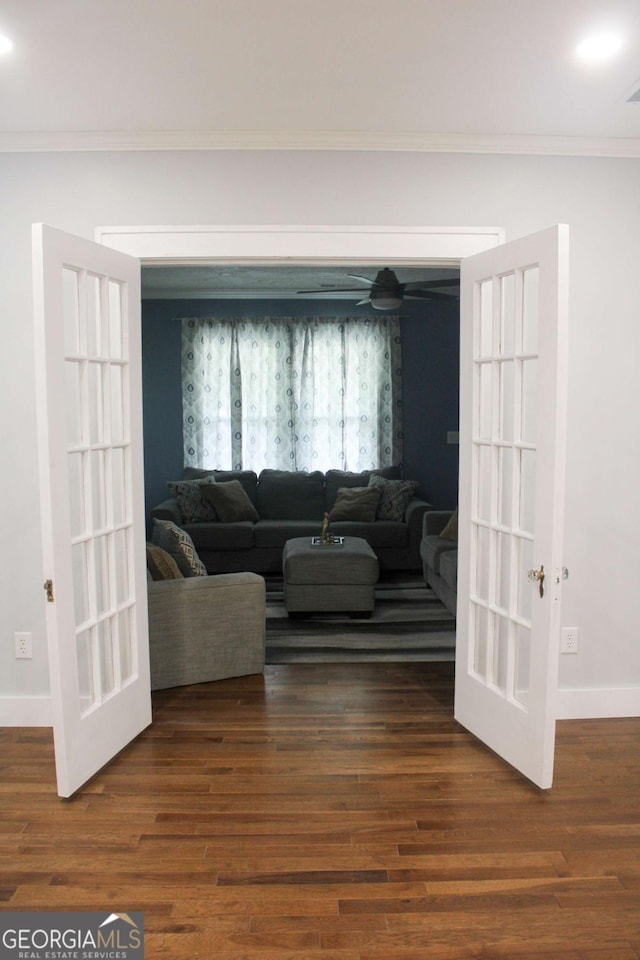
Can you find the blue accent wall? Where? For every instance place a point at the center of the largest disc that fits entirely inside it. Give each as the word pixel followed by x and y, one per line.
pixel 430 364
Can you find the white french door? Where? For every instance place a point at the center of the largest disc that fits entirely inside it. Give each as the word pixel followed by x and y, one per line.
pixel 513 356
pixel 88 354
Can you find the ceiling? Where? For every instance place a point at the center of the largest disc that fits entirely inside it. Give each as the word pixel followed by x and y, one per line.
pixel 412 74
pixel 267 282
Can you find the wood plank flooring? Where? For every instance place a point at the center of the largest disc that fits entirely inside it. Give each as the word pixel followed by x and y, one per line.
pixel 334 812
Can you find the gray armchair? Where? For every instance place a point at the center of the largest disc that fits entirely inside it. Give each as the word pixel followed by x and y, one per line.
pixel 205 628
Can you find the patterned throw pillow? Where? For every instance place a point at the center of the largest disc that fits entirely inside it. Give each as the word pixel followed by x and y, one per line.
pixel 180 546
pixel 193 506
pixel 161 564
pixel 395 497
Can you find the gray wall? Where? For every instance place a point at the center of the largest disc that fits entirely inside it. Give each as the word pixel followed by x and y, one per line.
pixel 599 198
pixel 430 356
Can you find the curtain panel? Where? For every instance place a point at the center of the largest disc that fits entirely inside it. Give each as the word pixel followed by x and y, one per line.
pixel 292 394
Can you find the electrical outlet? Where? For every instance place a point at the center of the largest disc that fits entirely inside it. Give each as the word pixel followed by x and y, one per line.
pixel 569 640
pixel 23 646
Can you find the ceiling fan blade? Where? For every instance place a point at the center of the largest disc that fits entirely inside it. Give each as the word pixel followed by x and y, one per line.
pixel 429 295
pixel 429 284
pixel 355 276
pixel 331 290
pixel 362 303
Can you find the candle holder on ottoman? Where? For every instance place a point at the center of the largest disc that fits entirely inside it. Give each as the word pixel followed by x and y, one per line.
pixel 329 578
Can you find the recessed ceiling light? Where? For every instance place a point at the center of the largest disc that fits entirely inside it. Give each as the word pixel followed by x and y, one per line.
pixel 6 45
pixel 599 46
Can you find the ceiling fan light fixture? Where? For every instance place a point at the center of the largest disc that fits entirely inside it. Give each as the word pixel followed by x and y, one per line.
pixel 385 303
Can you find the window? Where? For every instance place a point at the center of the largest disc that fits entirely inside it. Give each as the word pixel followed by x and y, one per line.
pixel 291 394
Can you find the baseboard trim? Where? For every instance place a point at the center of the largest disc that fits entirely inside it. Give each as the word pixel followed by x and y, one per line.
pixel 25 712
pixel 598 703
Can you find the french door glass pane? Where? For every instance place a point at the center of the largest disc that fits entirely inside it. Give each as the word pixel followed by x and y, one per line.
pixel 483 453
pixel 94 317
pixel 73 402
pixel 125 641
pixel 117 411
pixel 482 564
pixel 525 591
pixel 70 311
pixel 85 667
pixel 507 394
pixel 107 667
pixel 77 513
pixel 80 582
pixel 527 489
pixel 102 581
pixel 121 552
pixel 528 430
pixel 484 405
pixel 99 490
pixel 485 338
pixel 503 570
pixel 119 485
pixel 530 310
pixel 480 640
pixel 96 403
pixel 501 645
pixel 115 321
pixel 505 486
pixel 507 314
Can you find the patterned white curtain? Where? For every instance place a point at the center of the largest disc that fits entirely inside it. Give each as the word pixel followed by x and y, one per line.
pixel 292 394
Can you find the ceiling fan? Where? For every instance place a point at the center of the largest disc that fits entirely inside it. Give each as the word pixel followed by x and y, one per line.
pixel 387 293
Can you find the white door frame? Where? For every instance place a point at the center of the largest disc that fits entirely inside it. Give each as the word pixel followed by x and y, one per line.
pixel 442 246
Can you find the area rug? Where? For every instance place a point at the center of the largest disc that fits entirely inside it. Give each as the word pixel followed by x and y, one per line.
pixel 408 623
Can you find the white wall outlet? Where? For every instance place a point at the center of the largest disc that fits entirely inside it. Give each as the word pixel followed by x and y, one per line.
pixel 569 640
pixel 23 646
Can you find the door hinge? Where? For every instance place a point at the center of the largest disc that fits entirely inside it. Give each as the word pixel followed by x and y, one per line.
pixel 48 589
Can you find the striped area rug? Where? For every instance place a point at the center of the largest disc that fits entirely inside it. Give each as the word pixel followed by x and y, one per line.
pixel 408 623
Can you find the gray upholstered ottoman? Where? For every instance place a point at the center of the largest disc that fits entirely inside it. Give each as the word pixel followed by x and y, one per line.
pixel 329 579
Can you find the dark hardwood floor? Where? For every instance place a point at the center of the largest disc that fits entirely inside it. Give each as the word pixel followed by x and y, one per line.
pixel 334 812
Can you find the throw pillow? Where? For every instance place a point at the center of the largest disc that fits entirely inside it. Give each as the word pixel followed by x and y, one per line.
pixel 356 503
pixel 193 507
pixel 395 496
pixel 161 564
pixel 180 546
pixel 230 501
pixel 450 532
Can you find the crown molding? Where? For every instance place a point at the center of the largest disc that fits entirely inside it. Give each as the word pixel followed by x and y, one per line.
pixel 558 146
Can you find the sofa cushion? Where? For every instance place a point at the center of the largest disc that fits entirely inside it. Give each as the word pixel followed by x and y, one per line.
pixel 432 547
pixel 335 479
pixel 289 495
pixel 230 501
pixel 395 496
pixel 222 536
pixel 247 478
pixel 179 544
pixel 161 565
pixel 449 568
pixel 355 503
pixel 382 533
pixel 275 533
pixel 193 506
